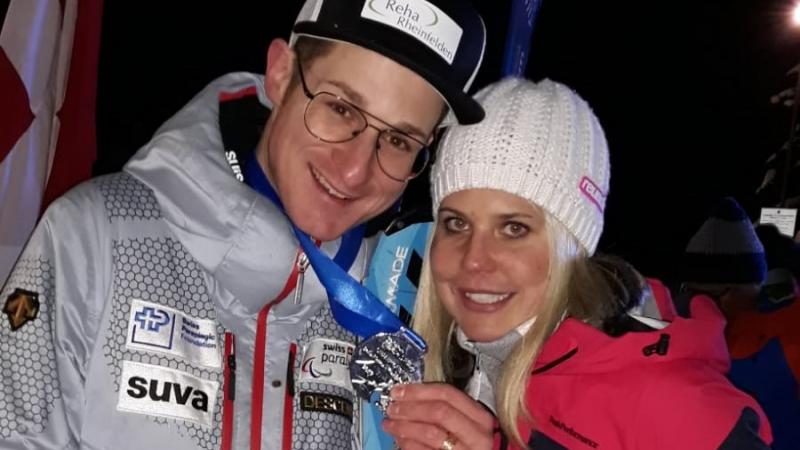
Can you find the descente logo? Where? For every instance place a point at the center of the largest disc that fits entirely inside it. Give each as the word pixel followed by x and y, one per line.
pixel 140 387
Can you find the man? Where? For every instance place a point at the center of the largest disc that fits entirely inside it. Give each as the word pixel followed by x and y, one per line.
pixel 724 260
pixel 169 306
pixel 727 261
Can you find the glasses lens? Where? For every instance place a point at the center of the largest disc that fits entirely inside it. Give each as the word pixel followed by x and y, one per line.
pixel 401 156
pixel 420 163
pixel 331 119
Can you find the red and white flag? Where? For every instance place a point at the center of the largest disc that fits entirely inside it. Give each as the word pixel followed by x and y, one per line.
pixel 48 77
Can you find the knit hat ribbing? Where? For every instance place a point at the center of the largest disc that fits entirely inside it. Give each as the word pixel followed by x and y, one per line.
pixel 725 250
pixel 540 141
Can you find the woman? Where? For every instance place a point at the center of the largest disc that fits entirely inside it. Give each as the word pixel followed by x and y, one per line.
pixel 557 354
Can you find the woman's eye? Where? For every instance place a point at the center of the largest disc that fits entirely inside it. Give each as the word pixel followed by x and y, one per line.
pixel 455 224
pixel 516 230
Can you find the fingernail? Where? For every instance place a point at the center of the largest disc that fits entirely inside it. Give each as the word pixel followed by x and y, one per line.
pixel 398 392
pixel 393 409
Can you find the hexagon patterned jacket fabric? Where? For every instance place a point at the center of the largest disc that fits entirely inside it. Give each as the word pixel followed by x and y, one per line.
pixel 141 313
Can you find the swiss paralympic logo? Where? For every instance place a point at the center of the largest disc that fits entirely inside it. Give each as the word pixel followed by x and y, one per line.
pixel 153 327
pixel 308 367
pixel 152 319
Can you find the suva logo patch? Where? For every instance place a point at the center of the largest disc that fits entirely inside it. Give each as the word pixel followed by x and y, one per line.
pixel 140 387
pixel 158 391
pixel 158 328
pixel 327 361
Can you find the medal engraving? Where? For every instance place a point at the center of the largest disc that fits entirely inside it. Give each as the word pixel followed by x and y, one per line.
pixel 384 360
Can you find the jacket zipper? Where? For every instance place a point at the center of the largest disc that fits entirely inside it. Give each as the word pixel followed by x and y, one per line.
pixel 288 399
pixel 259 356
pixel 302 265
pixel 229 391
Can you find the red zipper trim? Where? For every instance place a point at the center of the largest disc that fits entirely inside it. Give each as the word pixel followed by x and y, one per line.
pixel 288 399
pixel 259 356
pixel 229 391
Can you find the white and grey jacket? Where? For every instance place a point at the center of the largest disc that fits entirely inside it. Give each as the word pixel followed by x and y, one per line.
pixel 139 276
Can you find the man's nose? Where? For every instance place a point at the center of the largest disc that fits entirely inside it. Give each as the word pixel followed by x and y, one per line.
pixel 355 158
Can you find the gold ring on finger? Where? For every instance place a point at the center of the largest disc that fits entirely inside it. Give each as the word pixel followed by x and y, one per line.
pixel 449 442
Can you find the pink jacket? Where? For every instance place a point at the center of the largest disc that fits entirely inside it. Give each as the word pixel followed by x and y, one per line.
pixel 663 389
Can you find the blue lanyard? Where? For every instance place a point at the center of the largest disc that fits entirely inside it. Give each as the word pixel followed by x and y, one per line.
pixel 353 306
pixel 351 241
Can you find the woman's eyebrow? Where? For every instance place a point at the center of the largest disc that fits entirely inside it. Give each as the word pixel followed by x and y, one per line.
pixel 450 210
pixel 517 215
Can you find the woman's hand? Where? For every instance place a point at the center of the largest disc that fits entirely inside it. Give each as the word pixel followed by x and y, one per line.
pixel 437 416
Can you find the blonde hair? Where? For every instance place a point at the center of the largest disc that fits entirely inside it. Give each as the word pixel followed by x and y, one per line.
pixel 574 286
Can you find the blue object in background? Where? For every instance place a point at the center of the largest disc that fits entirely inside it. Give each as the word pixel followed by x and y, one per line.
pixel 520 32
pixel 767 377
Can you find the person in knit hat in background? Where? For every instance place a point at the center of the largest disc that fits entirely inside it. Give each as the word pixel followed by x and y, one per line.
pixel 725 260
pixel 777 315
pixel 510 280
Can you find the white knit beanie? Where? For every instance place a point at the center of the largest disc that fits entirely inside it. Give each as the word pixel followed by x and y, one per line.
pixel 539 141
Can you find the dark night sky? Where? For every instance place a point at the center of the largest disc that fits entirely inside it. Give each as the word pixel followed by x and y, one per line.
pixel 682 89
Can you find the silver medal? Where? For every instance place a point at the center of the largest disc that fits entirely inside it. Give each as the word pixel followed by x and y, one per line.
pixel 383 360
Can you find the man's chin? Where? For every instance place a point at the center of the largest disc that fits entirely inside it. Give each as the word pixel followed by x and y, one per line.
pixel 321 230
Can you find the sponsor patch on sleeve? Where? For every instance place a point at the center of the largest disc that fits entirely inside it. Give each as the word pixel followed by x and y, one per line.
pixel 157 328
pixel 327 361
pixel 162 392
pixel 21 307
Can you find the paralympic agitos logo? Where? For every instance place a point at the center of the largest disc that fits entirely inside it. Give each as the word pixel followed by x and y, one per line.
pixel 308 367
pixel 326 358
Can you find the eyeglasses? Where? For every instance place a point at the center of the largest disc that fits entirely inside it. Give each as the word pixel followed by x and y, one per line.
pixel 333 119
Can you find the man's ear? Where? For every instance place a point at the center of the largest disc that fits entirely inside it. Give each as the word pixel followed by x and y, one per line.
pixel 280 69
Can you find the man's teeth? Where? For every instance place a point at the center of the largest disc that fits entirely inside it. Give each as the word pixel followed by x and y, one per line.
pixel 486 298
pixel 328 187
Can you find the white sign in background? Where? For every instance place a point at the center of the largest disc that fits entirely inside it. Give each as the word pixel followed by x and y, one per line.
pixel 783 218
